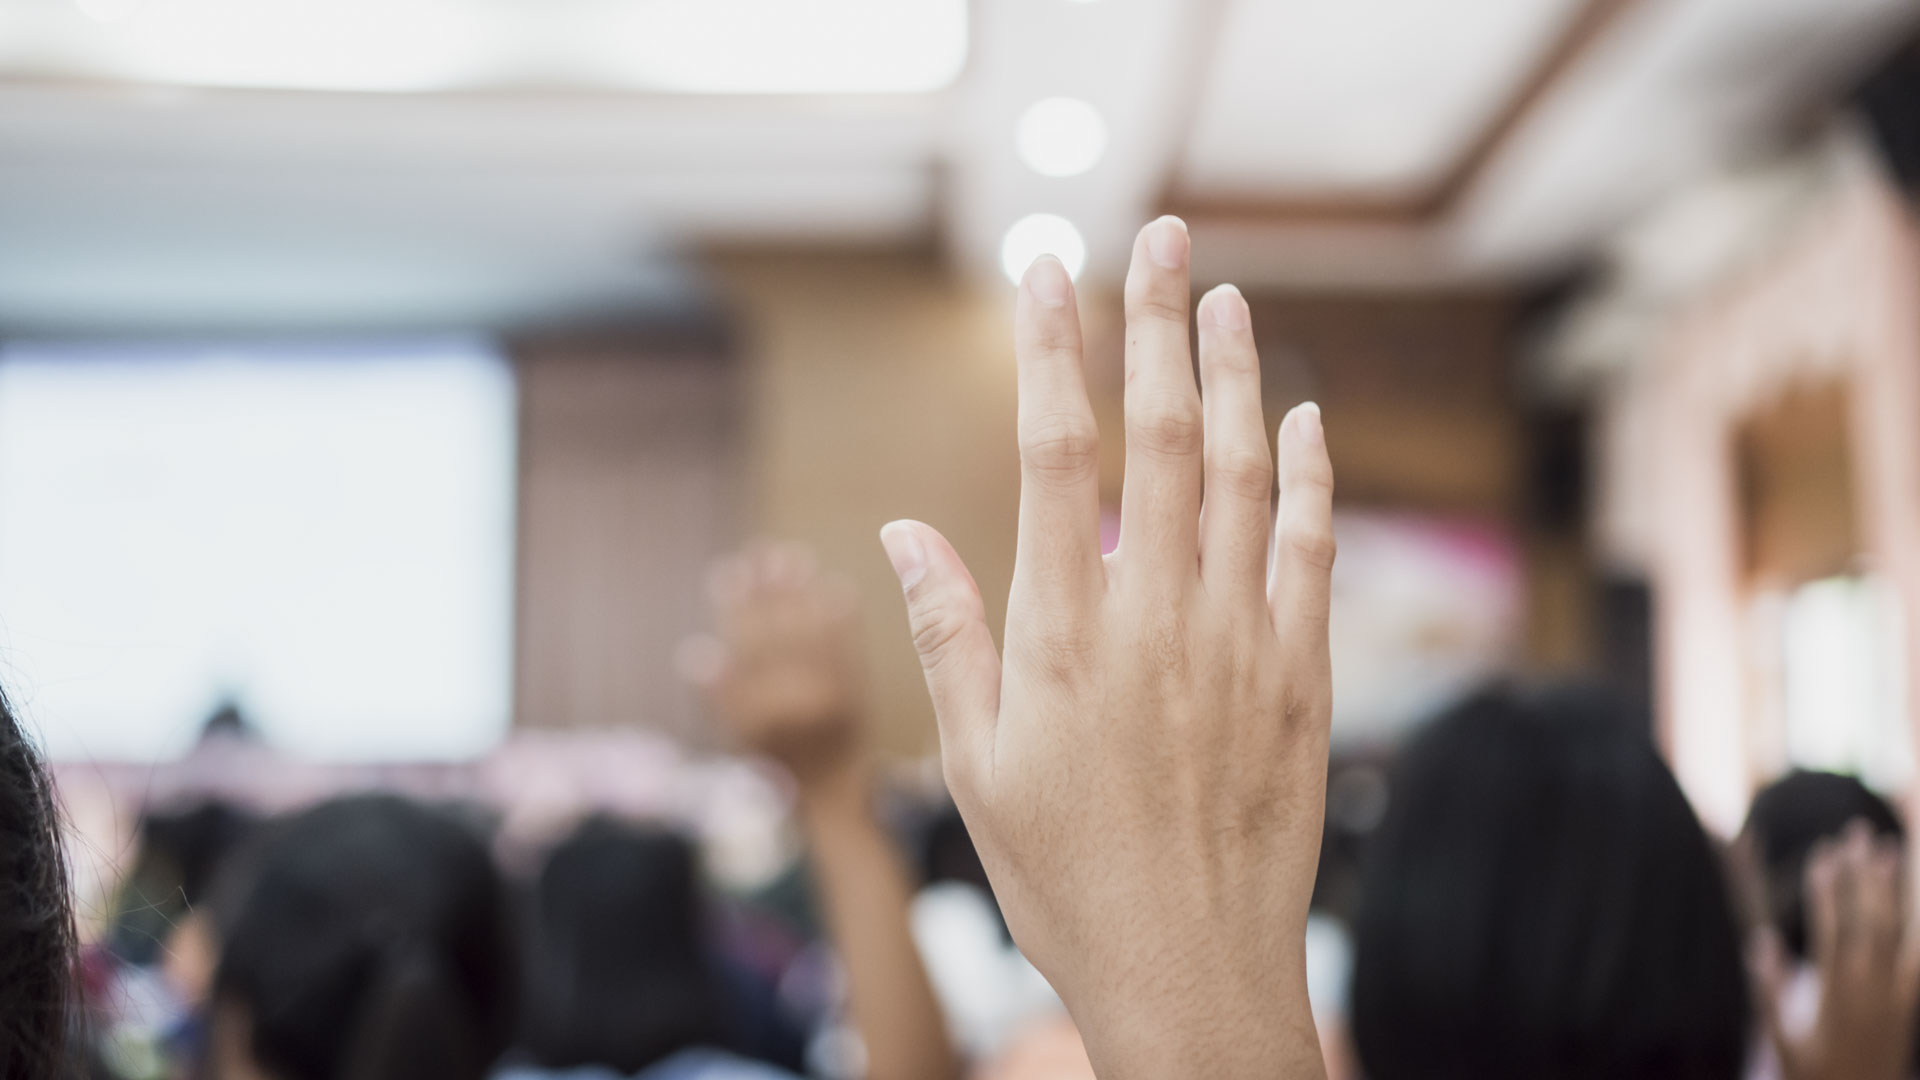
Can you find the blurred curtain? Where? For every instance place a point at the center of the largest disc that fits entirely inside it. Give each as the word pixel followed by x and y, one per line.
pixel 627 490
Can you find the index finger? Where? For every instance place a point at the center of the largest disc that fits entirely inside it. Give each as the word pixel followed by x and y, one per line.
pixel 1059 544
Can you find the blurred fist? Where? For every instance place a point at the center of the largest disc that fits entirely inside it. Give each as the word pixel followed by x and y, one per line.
pixel 1866 949
pixel 782 672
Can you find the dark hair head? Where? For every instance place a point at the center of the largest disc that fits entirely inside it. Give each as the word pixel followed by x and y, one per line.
pixel 620 975
pixel 1792 815
pixel 369 938
pixel 195 841
pixel 36 916
pixel 1541 902
pixel 181 854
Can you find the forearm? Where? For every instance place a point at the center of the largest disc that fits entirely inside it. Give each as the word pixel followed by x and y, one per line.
pixel 865 894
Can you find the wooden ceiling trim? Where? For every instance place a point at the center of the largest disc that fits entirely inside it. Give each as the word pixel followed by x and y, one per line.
pixel 1589 26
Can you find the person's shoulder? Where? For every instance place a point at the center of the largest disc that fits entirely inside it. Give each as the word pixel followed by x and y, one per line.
pixel 712 1065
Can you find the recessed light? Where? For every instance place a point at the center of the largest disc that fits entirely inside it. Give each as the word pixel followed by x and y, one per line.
pixel 1042 234
pixel 1061 136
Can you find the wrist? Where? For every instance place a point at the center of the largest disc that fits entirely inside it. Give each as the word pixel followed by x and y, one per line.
pixel 835 790
pixel 1227 1019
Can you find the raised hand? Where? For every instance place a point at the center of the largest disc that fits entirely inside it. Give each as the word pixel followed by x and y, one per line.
pixel 783 675
pixel 1864 946
pixel 1144 773
pixel 783 672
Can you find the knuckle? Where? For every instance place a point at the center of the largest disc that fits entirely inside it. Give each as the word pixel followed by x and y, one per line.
pixel 1062 660
pixel 1055 649
pixel 1302 709
pixel 1169 425
pixel 1317 482
pixel 1152 304
pixel 1239 364
pixel 1060 443
pixel 1315 547
pixel 934 632
pixel 1244 471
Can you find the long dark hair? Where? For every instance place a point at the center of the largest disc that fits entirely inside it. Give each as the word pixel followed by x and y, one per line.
pixel 36 916
pixel 619 974
pixel 1540 902
pixel 369 939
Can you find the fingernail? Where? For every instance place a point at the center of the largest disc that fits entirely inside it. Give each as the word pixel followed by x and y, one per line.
pixel 905 552
pixel 1168 243
pixel 1227 309
pixel 1307 423
pixel 1047 281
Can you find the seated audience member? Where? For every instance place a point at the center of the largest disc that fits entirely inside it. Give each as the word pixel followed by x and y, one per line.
pixel 621 976
pixel 365 939
pixel 783 676
pixel 180 855
pixel 1790 820
pixel 1540 903
pixel 1144 769
pixel 36 917
pixel 1834 954
pixel 149 981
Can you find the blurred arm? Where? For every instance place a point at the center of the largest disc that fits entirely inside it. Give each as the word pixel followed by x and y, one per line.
pixel 782 675
pixel 866 894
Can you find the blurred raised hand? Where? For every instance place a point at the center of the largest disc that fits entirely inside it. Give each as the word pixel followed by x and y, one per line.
pixel 1865 945
pixel 782 673
pixel 1144 772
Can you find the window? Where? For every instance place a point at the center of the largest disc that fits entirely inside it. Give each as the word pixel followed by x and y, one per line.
pixel 1845 700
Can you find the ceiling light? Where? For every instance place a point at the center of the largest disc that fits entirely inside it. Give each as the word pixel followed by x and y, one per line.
pixel 1042 234
pixel 662 46
pixel 1061 136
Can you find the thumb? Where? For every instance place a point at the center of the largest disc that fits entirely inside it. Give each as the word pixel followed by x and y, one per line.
pixel 949 625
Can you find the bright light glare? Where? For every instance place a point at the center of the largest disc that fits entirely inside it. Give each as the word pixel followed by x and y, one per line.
pixel 673 46
pixel 777 46
pixel 106 11
pixel 1845 682
pixel 1061 136
pixel 325 535
pixel 1042 234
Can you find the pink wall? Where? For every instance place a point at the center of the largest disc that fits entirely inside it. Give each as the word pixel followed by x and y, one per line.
pixel 1840 301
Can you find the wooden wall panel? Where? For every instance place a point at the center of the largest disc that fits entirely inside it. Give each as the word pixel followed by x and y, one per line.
pixel 627 489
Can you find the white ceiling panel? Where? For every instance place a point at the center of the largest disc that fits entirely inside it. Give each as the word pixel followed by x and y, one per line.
pixel 1682 89
pixel 138 211
pixel 683 46
pixel 1357 96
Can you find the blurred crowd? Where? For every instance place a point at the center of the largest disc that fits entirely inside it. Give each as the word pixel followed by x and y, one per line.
pixel 1535 899
pixel 1538 899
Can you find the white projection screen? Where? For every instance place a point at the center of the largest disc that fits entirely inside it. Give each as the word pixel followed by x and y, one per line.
pixel 322 534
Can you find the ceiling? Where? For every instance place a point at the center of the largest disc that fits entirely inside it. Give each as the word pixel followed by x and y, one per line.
pixel 156 175
pixel 1285 107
